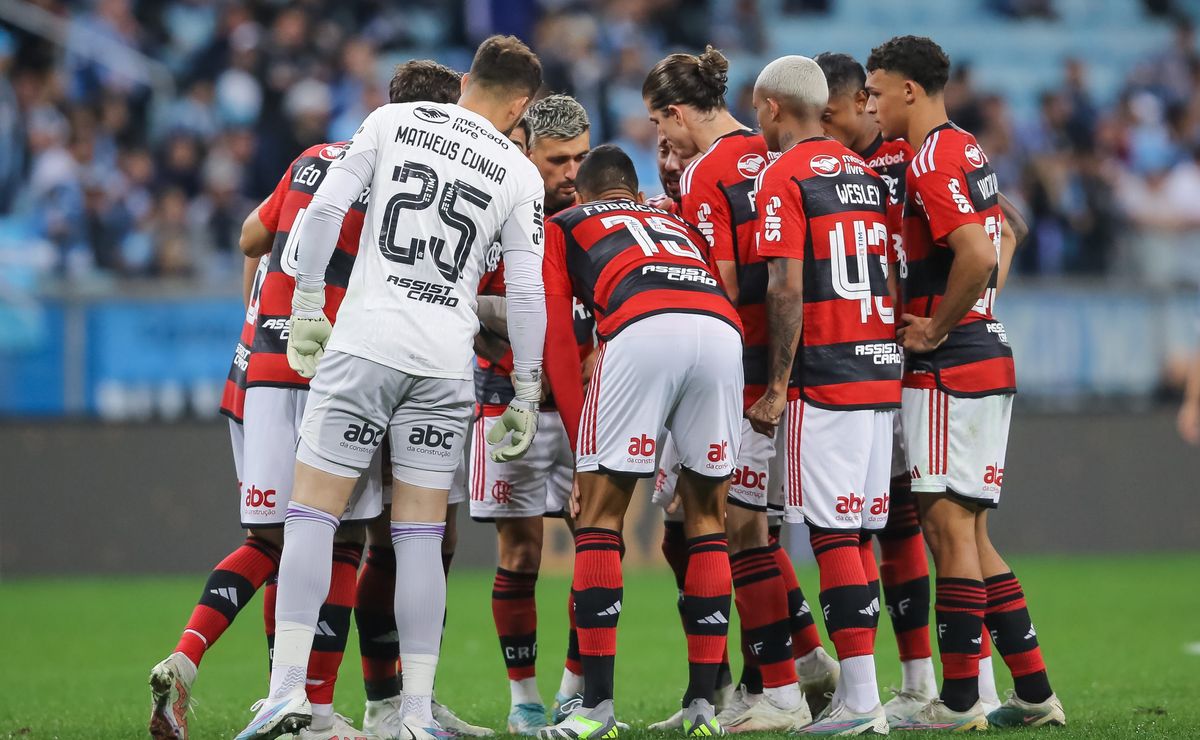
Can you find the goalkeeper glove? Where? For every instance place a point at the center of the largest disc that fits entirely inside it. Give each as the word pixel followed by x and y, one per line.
pixel 308 331
pixel 520 418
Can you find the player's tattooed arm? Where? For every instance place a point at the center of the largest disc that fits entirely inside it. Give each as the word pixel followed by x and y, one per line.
pixel 785 316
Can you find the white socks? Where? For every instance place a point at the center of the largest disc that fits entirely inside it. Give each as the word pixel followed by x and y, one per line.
pixel 322 717
pixel 420 607
pixel 304 572
pixel 786 698
pixel 987 682
pixel 918 677
pixel 857 686
pixel 525 691
pixel 571 684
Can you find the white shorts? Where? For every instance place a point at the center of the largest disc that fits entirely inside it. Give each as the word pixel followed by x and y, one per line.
pixel 899 458
pixel 839 465
pixel 678 372
pixel 271 426
pixel 539 484
pixel 237 440
pixel 758 476
pixel 956 445
pixel 355 402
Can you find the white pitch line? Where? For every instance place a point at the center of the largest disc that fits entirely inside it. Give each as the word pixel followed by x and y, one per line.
pixel 1192 648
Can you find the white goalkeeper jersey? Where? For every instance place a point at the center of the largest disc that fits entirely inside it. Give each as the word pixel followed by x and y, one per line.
pixel 444 185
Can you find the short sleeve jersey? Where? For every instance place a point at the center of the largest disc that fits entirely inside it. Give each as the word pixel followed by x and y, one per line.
pixel 446 186
pixel 233 396
pixel 281 213
pixel 819 203
pixel 717 194
pixel 625 261
pixel 950 184
pixel 889 160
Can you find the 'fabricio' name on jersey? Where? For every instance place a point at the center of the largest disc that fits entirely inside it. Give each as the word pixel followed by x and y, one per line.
pixel 443 147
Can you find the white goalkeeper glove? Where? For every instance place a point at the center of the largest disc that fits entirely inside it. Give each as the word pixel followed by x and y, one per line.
pixel 308 331
pixel 520 418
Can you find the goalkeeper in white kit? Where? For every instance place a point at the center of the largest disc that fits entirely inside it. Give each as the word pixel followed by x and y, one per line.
pixel 445 183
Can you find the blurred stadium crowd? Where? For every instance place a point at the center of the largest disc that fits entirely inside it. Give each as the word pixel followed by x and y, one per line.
pixel 146 171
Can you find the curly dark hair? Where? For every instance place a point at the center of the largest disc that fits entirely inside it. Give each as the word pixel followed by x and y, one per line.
pixel 687 79
pixel 843 73
pixel 918 58
pixel 424 81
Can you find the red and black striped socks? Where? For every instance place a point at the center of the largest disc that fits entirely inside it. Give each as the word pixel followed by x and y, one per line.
pixel 762 604
pixel 904 568
pixel 515 613
pixel 378 642
pixel 849 615
pixel 229 587
pixel 959 607
pixel 597 590
pixel 707 594
pixel 805 637
pixel 1013 633
pixel 333 625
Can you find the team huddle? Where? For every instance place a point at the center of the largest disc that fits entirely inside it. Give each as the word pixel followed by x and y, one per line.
pixel 468 303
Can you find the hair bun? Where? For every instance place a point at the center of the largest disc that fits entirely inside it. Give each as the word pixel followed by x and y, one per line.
pixel 714 68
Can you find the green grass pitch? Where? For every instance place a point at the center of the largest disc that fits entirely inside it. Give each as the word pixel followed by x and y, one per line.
pixel 1121 636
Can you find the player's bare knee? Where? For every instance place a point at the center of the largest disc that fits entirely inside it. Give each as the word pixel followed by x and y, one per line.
pixel 520 541
pixel 745 528
pixel 323 485
pixel 603 499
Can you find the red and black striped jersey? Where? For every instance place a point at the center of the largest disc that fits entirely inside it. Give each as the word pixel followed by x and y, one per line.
pixel 890 161
pixel 717 194
pixel 281 212
pixel 821 204
pixel 625 261
pixel 493 384
pixel 950 184
pixel 233 397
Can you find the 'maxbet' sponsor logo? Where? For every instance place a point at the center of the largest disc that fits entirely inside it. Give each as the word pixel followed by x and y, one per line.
pixel 428 436
pixel 642 446
pixel 747 478
pixel 256 497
